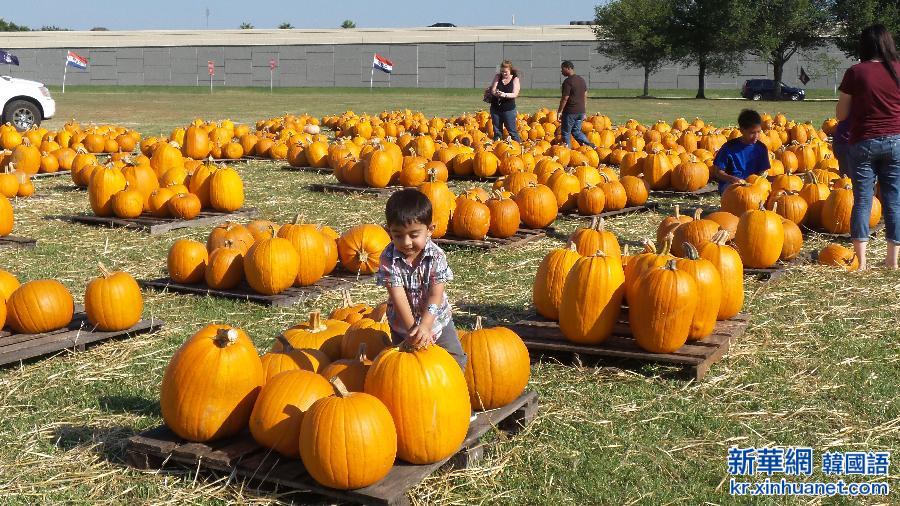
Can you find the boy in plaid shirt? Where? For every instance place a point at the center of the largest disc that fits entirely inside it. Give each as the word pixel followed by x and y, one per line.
pixel 415 271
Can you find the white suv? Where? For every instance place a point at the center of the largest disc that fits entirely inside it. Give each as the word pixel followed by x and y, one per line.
pixel 24 103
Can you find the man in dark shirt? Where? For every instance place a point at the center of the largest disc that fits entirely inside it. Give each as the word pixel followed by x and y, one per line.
pixel 571 106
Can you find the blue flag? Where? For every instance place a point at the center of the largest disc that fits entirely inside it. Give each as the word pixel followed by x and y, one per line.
pixel 8 58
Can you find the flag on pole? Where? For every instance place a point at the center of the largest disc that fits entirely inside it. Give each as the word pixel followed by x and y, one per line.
pixel 73 59
pixel 383 64
pixel 804 78
pixel 8 58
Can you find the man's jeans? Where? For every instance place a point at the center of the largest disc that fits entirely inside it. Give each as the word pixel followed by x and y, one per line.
pixel 571 125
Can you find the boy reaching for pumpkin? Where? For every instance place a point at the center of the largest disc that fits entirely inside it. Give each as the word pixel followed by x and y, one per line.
pixel 415 271
pixel 742 156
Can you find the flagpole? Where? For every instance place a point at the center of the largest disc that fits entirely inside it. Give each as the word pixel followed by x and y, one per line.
pixel 65 70
pixel 372 73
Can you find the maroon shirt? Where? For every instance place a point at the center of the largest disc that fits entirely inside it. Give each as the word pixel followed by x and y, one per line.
pixel 876 101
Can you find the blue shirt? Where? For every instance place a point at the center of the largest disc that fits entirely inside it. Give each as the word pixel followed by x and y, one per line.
pixel 740 160
pixel 417 281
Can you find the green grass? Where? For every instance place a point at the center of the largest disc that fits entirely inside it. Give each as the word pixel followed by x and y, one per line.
pixel 817 367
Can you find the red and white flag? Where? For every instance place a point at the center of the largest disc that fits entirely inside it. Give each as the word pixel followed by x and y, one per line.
pixel 73 59
pixel 383 64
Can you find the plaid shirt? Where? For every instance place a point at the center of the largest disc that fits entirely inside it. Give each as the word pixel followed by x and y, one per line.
pixel 417 281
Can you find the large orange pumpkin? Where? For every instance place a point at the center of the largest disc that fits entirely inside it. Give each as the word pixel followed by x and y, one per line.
pixel 348 440
pixel 211 384
pixel 591 298
pixel 113 301
pixel 498 367
pixel 425 391
pixel 550 280
pixel 39 306
pixel 662 308
pixel 360 248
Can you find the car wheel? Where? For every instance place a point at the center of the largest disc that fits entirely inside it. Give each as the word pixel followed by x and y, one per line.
pixel 756 97
pixel 795 97
pixel 22 114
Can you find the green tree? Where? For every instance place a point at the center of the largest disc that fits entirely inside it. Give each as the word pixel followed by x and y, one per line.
pixel 783 27
pixel 851 16
pixel 709 34
pixel 9 26
pixel 246 26
pixel 628 33
pixel 285 26
pixel 348 23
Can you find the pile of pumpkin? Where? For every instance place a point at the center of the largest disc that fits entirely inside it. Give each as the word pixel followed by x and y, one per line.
pixel 162 185
pixel 71 137
pixel 670 300
pixel 112 302
pixel 271 259
pixel 318 395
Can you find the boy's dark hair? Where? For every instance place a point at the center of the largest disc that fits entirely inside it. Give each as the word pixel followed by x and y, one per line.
pixel 749 118
pixel 568 65
pixel 408 206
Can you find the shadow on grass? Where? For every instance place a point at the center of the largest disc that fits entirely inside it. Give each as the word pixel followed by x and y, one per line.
pixel 107 442
pixel 133 404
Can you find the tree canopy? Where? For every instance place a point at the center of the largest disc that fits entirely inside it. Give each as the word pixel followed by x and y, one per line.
pixel 628 32
pixel 348 23
pixel 851 16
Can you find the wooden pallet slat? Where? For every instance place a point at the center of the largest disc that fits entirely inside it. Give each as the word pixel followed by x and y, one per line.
pixel 14 241
pixel 520 238
pixel 709 189
pixel 648 206
pixel 540 334
pixel 155 226
pixel 314 170
pixel 43 175
pixel 291 296
pixel 76 336
pixel 242 457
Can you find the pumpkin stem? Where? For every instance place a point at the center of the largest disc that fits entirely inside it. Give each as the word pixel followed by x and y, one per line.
pixel 315 322
pixel 670 265
pixel 649 247
pixel 478 323
pixel 698 213
pixel 345 295
pixel 339 388
pixel 691 252
pixel 677 211
pixel 667 244
pixel 103 270
pixel 774 206
pixel 286 346
pixel 298 219
pixel 600 253
pixel 226 337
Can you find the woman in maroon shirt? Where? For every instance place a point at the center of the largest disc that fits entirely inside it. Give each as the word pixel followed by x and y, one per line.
pixel 872 89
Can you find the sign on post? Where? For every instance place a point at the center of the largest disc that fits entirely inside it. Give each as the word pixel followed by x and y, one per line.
pixel 272 65
pixel 212 71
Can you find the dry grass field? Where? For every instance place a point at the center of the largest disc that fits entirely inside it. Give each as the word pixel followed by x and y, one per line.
pixel 819 365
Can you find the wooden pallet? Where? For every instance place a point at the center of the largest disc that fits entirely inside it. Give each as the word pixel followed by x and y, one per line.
pixel 472 177
pixel 314 170
pixel 14 241
pixel 776 271
pixel 155 226
pixel 240 456
pixel 541 335
pixel 346 188
pixel 873 233
pixel 17 347
pixel 289 297
pixel 42 175
pixel 648 206
pixel 521 237
pixel 697 194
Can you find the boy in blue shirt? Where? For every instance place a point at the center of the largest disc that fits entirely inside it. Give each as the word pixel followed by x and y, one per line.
pixel 742 156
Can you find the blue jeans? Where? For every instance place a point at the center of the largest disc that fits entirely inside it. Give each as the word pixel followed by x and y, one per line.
pixel 571 125
pixel 870 159
pixel 841 151
pixel 501 118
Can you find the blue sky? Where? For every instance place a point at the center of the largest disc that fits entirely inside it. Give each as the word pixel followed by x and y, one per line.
pixel 188 14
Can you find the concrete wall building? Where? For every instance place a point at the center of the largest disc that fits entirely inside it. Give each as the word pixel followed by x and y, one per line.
pixel 422 57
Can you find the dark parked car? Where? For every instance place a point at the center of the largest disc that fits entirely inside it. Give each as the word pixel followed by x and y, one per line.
pixel 758 89
pixel 442 25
